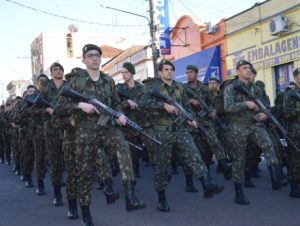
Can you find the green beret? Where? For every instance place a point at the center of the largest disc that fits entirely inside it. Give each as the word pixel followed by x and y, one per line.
pixel 192 67
pixel 89 47
pixel 260 84
pixel 253 70
pixel 213 78
pixel 296 71
pixel 165 62
pixel 130 67
pixel 241 63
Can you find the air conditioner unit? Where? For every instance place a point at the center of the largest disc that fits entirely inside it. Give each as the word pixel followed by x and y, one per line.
pixel 278 25
pixel 211 29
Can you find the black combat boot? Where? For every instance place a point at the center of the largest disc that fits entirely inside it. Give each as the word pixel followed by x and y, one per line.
pixel 29 183
pixel 226 169
pixel 189 184
pixel 23 177
pixel 240 198
pixel 18 170
pixel 137 170
pixel 132 203
pixel 110 194
pixel 210 189
pixel 73 210
pixel 100 184
pixel 163 205
pixel 86 216
pixel 41 188
pixel 254 171
pixel 295 191
pixel 175 168
pixel 277 181
pixel 247 181
pixel 57 196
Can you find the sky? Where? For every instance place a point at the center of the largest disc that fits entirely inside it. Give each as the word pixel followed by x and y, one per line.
pixel 20 25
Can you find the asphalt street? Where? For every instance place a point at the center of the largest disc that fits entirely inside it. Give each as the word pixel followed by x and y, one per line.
pixel 19 206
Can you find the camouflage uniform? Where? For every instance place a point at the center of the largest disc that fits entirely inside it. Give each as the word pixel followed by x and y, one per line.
pixel 170 134
pixel 53 134
pixel 2 147
pixel 135 94
pixel 90 135
pixel 244 129
pixel 291 109
pixel 26 145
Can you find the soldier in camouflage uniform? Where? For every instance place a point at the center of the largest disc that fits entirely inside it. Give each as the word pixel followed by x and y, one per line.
pixel 90 134
pixel 291 109
pixel 162 116
pixel 211 143
pixel 38 137
pixel 67 121
pixel 2 126
pixel 247 124
pixel 53 133
pixel 132 92
pixel 26 145
pixel 6 135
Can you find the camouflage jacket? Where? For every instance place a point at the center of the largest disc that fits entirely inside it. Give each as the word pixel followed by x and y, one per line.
pixel 291 110
pixel 135 93
pixel 158 116
pixel 202 91
pixel 103 89
pixel 240 117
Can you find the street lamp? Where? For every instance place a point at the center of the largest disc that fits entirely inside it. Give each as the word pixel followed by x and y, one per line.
pixel 155 51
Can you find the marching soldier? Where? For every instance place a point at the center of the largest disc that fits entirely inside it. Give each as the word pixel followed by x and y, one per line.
pixel 162 116
pixel 247 124
pixel 291 109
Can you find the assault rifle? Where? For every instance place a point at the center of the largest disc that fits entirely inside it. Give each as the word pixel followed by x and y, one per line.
pixel 183 115
pixel 67 91
pixel 283 138
pixel 38 101
pixel 205 109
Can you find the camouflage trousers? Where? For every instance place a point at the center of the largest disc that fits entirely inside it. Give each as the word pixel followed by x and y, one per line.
pixel 294 135
pixel 2 147
pixel 135 153
pixel 186 151
pixel 40 156
pixel 54 148
pixel 7 146
pixel 15 147
pixel 259 136
pixel 88 142
pixel 27 155
pixel 103 169
pixel 69 150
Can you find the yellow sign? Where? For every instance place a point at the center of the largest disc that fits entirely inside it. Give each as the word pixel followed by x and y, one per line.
pixel 273 53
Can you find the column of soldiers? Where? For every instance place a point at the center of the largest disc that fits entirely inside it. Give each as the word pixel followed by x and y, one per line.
pixel 61 122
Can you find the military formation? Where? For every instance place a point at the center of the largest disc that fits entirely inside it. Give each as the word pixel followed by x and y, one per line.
pixel 83 123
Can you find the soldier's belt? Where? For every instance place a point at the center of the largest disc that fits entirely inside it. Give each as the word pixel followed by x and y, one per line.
pixel 87 125
pixel 170 128
pixel 243 120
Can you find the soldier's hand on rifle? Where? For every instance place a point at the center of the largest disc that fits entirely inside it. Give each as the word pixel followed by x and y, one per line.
pixel 193 124
pixel 73 122
pixel 132 104
pixel 251 105
pixel 261 116
pixel 193 102
pixel 50 111
pixel 88 108
pixel 170 109
pixel 121 120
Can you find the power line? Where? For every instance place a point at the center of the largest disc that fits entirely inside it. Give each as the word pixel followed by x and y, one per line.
pixel 185 6
pixel 69 18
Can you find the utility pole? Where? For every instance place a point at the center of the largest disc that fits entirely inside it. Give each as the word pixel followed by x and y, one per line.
pixel 154 37
pixel 153 32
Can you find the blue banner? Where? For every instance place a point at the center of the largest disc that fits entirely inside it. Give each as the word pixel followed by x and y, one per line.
pixel 162 16
pixel 208 62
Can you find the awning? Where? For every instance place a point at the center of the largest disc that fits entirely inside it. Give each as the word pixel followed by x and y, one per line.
pixel 208 62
